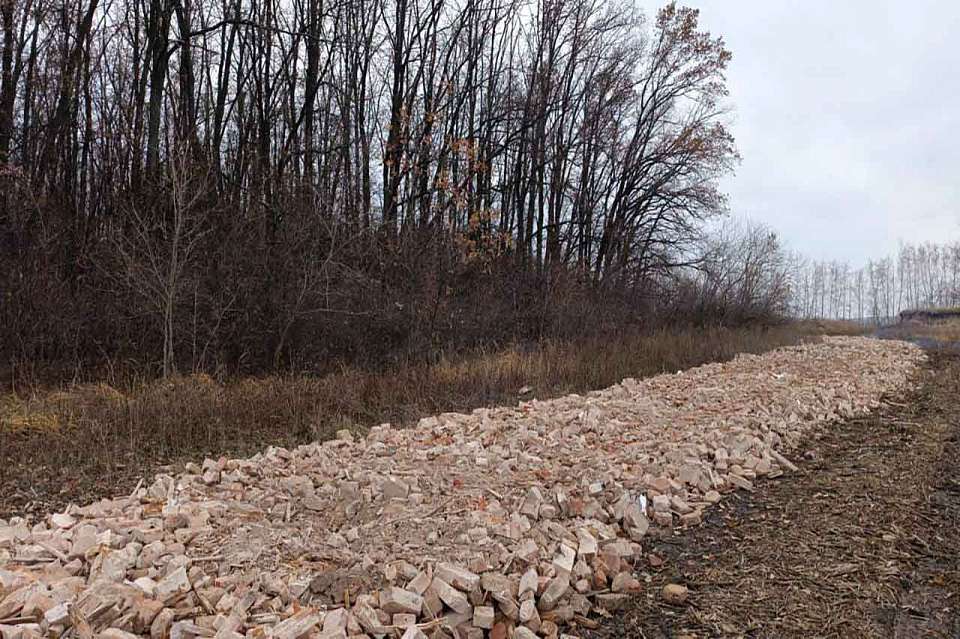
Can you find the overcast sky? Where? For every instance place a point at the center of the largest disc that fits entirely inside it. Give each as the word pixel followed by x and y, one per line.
pixel 847 114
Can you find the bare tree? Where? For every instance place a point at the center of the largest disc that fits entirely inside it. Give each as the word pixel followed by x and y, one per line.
pixel 226 149
pixel 160 249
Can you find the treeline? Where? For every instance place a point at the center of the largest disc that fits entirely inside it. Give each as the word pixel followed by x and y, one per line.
pixel 741 275
pixel 245 185
pixel 919 276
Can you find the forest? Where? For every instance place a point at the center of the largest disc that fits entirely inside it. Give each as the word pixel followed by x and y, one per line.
pixel 246 186
pixel 259 184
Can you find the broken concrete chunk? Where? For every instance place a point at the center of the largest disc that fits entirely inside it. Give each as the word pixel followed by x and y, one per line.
pixel 297 626
pixel 680 506
pixel 160 627
pixel 188 630
pixel 528 583
pixel 661 503
pixel 556 588
pixel 458 622
pixel 522 632
pixel 396 600
pixel 531 503
pixel 173 586
pixel 451 596
pixel 509 608
pixel 634 517
pixel 58 615
pixel 420 583
pixel 739 481
pixel 586 544
pixel 367 618
pixel 432 605
pixel 335 620
pixel 483 617
pixel 529 615
pixel 691 474
pixel 663 518
pixel 549 629
pixel 563 562
pixel 498 585
pixel 661 485
pixel 528 551
pixel 457 576
pixel 146 611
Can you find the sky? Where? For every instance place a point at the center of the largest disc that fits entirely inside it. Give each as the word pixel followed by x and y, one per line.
pixel 847 115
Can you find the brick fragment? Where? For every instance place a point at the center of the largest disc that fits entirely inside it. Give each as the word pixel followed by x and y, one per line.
pixel 483 617
pixel 457 576
pixel 451 596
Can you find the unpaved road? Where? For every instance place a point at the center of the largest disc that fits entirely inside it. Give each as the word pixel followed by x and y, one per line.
pixel 863 542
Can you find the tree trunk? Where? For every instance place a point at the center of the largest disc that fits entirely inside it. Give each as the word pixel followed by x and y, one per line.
pixel 158 28
pixel 8 90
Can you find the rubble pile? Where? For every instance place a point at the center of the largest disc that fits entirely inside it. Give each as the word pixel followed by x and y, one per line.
pixel 519 522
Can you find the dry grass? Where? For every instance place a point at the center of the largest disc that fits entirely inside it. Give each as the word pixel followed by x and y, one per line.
pixel 82 439
pixel 939 330
pixel 832 327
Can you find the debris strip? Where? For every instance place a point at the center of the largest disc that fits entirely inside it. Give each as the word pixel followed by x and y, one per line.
pixel 522 521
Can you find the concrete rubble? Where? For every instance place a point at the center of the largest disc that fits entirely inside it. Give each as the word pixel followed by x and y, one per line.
pixel 507 522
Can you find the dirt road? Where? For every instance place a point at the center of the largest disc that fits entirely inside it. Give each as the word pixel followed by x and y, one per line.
pixel 863 542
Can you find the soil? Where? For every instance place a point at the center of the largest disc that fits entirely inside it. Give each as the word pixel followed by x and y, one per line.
pixel 864 541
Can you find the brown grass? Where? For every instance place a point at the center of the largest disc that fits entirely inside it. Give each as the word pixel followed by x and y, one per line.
pixel 832 327
pixel 83 440
pixel 940 330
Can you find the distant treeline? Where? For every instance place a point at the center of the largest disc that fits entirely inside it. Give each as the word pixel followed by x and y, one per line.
pixel 920 276
pixel 250 185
